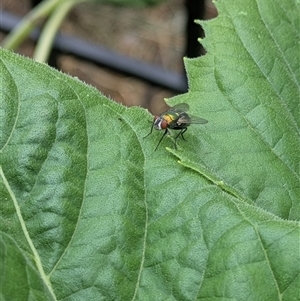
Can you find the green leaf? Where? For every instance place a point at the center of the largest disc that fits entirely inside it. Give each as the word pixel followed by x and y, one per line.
pixel 90 212
pixel 253 95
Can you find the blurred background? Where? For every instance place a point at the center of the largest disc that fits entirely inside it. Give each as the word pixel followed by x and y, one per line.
pixel 157 35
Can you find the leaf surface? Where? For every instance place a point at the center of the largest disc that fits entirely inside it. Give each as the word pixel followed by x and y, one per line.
pixel 90 212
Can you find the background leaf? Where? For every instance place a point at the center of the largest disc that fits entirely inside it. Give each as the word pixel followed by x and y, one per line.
pixel 89 211
pixel 254 96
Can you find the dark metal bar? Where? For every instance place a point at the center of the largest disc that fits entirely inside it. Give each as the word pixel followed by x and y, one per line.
pixel 104 57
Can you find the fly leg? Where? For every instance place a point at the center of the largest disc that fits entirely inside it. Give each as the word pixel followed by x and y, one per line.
pixel 150 130
pixel 164 134
pixel 180 134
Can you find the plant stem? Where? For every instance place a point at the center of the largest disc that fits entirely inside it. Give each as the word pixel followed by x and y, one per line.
pixel 50 29
pixel 34 17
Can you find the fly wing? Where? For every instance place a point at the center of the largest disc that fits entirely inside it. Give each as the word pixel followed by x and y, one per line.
pixel 189 119
pixel 195 119
pixel 180 107
pixel 185 118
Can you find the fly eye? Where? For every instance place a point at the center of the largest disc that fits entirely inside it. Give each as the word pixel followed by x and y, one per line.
pixel 163 124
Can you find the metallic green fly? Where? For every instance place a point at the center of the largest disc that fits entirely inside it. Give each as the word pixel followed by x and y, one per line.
pixel 176 118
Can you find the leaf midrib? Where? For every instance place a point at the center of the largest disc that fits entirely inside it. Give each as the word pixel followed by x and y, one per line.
pixel 36 256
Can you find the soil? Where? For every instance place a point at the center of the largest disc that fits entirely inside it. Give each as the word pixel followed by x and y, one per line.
pixel 154 34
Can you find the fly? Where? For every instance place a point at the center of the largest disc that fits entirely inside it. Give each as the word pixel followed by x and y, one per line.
pixel 176 118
